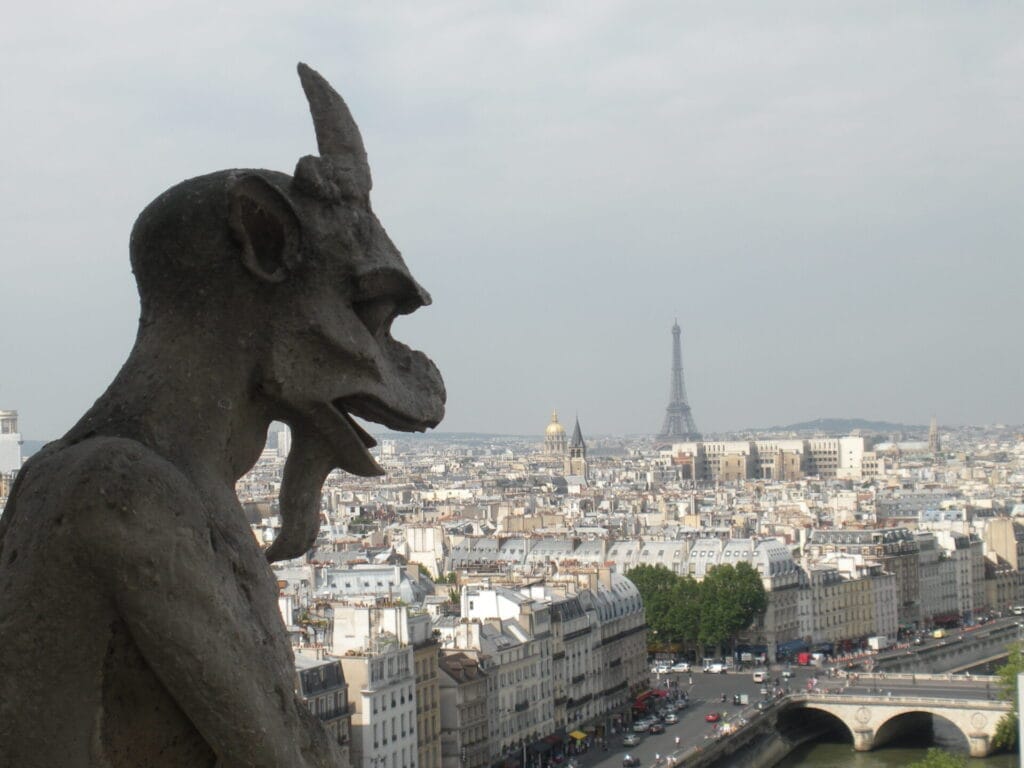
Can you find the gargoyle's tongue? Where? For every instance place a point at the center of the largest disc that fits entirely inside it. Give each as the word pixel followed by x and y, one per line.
pixel 305 470
pixel 337 442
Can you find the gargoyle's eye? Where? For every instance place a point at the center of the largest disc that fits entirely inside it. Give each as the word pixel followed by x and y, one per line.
pixel 376 314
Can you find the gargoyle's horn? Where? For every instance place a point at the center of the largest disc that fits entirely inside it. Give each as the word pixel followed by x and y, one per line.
pixel 337 134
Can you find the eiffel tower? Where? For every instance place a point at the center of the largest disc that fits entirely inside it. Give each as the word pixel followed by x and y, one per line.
pixel 678 424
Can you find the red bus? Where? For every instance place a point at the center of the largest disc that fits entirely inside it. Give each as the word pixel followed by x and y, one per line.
pixel 646 699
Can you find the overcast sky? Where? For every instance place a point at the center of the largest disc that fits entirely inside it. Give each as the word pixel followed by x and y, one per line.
pixel 828 196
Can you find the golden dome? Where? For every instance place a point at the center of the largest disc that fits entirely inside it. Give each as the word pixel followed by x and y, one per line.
pixel 554 428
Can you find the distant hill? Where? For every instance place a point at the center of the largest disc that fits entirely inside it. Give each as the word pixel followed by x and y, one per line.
pixel 845 426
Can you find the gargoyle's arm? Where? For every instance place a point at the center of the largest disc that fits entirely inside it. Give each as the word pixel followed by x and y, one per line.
pixel 207 630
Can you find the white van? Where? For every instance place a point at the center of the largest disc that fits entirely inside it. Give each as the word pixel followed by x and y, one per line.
pixel 760 675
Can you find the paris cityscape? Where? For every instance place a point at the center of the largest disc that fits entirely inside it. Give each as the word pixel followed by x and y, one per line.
pixel 660 407
pixel 493 600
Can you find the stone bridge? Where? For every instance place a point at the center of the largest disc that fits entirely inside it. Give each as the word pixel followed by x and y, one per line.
pixel 875 719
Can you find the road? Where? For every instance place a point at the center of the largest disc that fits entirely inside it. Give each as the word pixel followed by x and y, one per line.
pixel 705 695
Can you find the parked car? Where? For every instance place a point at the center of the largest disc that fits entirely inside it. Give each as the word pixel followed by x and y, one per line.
pixel 681 666
pixel 630 762
pixel 712 717
pixel 641 726
pixel 656 728
pixel 681 704
pixel 671 718
pixel 630 740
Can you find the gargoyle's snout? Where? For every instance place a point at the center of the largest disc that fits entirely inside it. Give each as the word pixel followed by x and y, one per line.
pixel 412 395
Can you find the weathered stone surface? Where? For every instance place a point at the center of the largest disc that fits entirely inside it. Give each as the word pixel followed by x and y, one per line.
pixel 138 617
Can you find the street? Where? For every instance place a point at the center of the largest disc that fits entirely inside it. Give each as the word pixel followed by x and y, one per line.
pixel 693 731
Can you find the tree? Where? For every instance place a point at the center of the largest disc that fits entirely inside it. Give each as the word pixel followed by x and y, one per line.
pixel 657 586
pixel 730 598
pixel 1006 728
pixel 712 612
pixel 939 758
pixel 684 610
pixel 750 593
pixel 671 603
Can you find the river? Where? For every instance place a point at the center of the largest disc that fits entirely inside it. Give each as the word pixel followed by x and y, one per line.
pixel 895 755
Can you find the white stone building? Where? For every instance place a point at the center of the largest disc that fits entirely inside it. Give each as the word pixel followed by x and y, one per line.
pixel 10 443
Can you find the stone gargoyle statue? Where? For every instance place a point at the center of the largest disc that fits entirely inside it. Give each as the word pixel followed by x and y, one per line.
pixel 139 622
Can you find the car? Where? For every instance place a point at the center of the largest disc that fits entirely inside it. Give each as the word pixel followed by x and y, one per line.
pixel 671 718
pixel 712 717
pixel 715 669
pixel 786 674
pixel 630 762
pixel 661 669
pixel 681 666
pixel 641 726
pixel 630 740
pixel 656 728
pixel 681 704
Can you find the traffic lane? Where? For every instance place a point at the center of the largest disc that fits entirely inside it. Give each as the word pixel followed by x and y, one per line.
pixel 705 696
pixel 921 692
pixel 690 730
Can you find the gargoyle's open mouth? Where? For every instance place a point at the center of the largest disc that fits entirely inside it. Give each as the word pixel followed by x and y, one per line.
pixel 370 408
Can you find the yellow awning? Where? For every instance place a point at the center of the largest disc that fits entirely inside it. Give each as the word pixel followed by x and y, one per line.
pixel 578 735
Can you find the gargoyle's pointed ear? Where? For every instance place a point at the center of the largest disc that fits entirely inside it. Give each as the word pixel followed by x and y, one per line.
pixel 266 226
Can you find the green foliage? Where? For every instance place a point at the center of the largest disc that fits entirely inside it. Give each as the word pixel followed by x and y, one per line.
pixel 712 612
pixel 1006 728
pixel 731 597
pixel 1006 732
pixel 657 586
pixel 939 758
pixel 1008 674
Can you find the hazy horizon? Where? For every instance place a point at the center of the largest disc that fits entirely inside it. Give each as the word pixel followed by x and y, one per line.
pixel 827 197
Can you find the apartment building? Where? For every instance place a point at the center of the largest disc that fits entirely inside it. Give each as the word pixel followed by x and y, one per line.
pixel 465 737
pixel 372 643
pixel 320 683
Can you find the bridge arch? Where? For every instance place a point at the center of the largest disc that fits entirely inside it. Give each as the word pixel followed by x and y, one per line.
pixel 874 721
pixel 918 725
pixel 801 723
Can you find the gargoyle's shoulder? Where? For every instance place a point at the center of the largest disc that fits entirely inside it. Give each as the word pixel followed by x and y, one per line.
pixel 104 471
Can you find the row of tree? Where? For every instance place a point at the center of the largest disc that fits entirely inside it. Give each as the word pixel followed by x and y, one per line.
pixel 712 612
